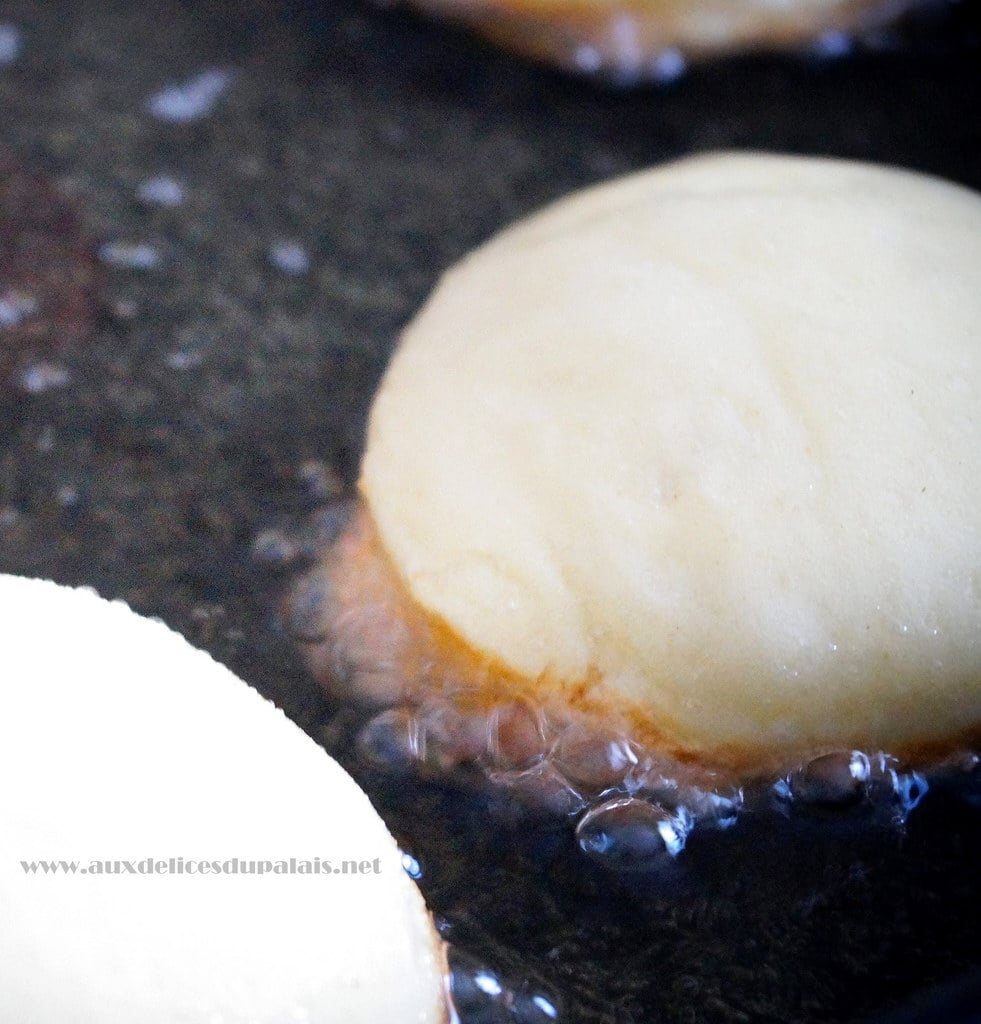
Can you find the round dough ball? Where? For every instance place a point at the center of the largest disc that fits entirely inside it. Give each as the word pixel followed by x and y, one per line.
pixel 119 741
pixel 650 39
pixel 703 445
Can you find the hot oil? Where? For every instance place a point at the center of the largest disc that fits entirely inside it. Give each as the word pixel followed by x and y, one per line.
pixel 256 264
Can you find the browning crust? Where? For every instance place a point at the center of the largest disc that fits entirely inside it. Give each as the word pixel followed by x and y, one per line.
pixel 426 658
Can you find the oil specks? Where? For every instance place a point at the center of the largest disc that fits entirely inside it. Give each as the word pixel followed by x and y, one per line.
pixel 833 45
pixel 16 307
pixel 290 257
pixel 183 359
pixel 161 191
pixel 130 255
pixel 669 65
pixel 40 377
pixel 11 42
pixel 192 99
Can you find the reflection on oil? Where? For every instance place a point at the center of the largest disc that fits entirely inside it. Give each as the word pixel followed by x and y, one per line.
pixel 192 99
pixel 10 43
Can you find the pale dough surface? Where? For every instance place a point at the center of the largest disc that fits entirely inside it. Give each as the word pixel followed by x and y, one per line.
pixel 118 740
pixel 710 436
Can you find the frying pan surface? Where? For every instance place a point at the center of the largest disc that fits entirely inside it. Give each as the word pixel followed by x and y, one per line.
pixel 214 377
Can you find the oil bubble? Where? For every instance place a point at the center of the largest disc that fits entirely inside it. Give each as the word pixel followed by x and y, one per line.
pixel 587 59
pixel 290 257
pixel 130 255
pixel 533 1006
pixel 40 377
pixel 833 45
pixel 393 740
pixel 894 790
pixel 10 43
pixel 478 994
pixel 306 620
pixel 516 735
pixel 328 523
pixel 183 359
pixel 542 786
pixel 276 549
pixel 832 779
pixel 319 479
pixel 161 191
pixel 9 517
pixel 714 808
pixel 411 866
pixel 16 307
pixel 668 66
pixel 910 788
pixel 627 834
pixel 442 739
pixel 592 761
pixel 68 495
pixel 192 99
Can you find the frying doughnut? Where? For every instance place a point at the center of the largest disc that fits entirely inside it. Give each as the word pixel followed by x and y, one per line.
pixel 225 868
pixel 692 459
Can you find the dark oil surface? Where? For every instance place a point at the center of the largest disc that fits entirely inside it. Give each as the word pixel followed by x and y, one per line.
pixel 353 154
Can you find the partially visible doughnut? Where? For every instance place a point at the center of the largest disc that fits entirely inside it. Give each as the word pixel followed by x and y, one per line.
pixel 652 39
pixel 121 743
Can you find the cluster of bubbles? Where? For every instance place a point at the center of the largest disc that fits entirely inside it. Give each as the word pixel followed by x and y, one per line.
pixel 635 810
pixel 480 995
